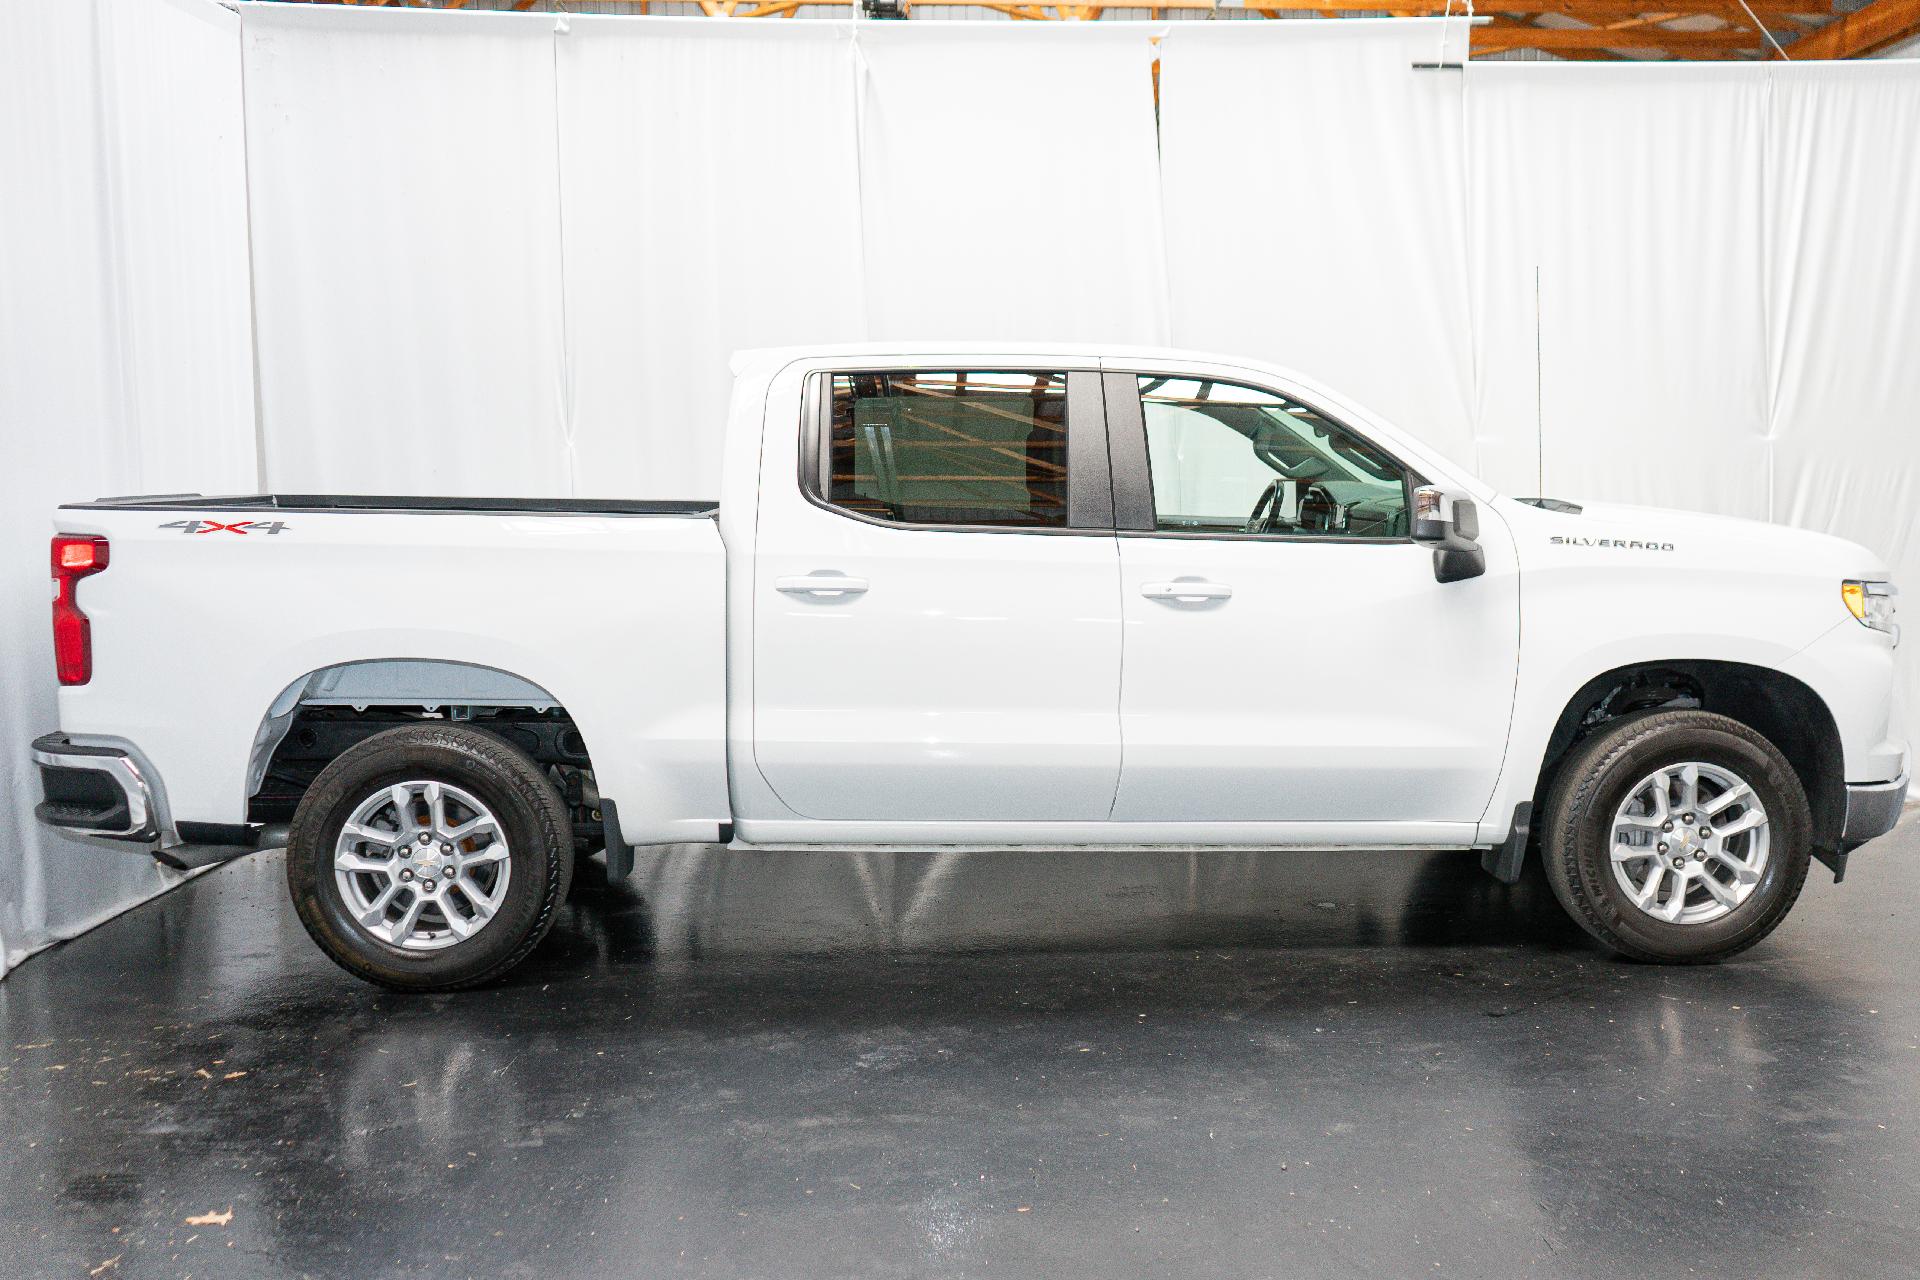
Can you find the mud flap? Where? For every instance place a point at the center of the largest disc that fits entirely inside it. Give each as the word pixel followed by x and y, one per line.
pixel 1836 861
pixel 619 852
pixel 1503 861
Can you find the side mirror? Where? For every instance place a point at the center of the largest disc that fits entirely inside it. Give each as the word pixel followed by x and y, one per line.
pixel 1450 524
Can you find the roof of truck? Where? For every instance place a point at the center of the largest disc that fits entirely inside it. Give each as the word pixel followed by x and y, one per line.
pixel 757 357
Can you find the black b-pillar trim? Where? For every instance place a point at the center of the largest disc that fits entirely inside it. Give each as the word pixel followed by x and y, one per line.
pixel 1127 453
pixel 1089 493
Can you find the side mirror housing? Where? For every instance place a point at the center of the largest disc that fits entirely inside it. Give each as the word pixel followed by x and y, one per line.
pixel 1450 524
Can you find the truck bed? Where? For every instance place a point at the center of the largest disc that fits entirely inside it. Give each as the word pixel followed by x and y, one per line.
pixel 214 611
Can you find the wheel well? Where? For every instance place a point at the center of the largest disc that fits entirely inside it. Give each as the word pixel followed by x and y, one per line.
pixel 328 712
pixel 1780 708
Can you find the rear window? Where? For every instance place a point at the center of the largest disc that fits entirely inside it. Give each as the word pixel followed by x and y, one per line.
pixel 960 447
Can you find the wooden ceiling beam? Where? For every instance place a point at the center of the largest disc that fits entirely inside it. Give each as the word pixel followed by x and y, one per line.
pixel 1879 24
pixel 1769 43
pixel 1594 10
pixel 1499 39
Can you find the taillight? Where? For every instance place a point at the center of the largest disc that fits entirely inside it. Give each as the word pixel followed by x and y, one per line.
pixel 74 557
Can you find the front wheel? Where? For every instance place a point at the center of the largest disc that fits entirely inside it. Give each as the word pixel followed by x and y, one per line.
pixel 429 857
pixel 1678 836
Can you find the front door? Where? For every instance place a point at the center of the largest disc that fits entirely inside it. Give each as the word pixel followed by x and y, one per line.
pixel 936 632
pixel 1288 655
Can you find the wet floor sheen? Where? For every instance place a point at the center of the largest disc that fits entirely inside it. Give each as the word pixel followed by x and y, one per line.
pixel 998 1064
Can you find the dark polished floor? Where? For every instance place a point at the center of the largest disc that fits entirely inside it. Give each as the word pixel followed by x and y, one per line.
pixel 1009 1064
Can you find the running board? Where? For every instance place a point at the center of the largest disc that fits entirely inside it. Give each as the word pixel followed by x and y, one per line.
pixel 208 844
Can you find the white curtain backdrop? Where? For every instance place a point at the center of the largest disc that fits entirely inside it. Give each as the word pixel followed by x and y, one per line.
pixel 513 253
pixel 1007 182
pixel 1843 311
pixel 710 194
pixel 1626 208
pixel 125 355
pixel 1315 207
pixel 406 237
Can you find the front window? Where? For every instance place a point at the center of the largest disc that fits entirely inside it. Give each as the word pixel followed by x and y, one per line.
pixel 1232 459
pixel 948 448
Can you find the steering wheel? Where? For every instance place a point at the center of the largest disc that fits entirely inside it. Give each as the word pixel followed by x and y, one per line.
pixel 1319 509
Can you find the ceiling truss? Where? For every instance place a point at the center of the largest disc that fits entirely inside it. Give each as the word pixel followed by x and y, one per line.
pixel 1584 30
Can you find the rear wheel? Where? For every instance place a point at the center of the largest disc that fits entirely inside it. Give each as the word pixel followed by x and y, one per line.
pixel 1678 836
pixel 429 857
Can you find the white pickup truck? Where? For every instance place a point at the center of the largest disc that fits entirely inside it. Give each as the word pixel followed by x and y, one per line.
pixel 976 595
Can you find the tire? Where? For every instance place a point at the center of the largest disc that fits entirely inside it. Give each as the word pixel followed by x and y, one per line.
pixel 1608 771
pixel 472 774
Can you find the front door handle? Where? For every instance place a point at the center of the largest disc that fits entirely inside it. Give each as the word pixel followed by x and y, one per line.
pixel 821 584
pixel 1186 592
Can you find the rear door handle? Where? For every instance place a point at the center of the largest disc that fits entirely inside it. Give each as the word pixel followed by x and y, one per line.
pixel 821 584
pixel 1186 592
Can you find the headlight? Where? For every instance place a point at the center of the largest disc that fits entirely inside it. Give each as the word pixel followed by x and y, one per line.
pixel 1872 603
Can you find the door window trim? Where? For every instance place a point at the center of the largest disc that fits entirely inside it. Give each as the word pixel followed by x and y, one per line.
pixel 1132 469
pixel 1090 490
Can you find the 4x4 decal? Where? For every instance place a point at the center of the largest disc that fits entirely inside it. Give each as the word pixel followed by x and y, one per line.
pixel 242 527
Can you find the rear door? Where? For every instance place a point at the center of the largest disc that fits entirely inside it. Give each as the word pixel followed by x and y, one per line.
pixel 936 629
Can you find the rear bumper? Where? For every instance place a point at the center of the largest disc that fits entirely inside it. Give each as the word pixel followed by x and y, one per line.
pixel 94 791
pixel 108 792
pixel 1872 811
